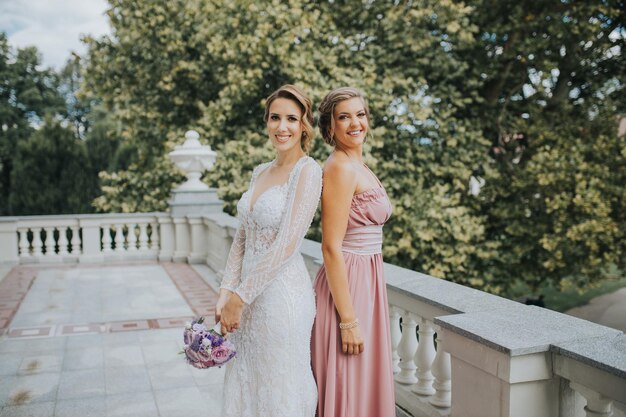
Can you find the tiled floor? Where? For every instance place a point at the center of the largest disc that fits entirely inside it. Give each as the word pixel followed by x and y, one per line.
pixel 103 341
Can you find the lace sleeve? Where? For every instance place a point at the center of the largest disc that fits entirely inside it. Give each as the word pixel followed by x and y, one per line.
pixel 304 194
pixel 232 272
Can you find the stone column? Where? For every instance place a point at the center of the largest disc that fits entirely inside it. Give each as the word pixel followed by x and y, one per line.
pixel 92 251
pixel 198 240
pixel 8 241
pixel 220 229
pixel 181 239
pixel 166 239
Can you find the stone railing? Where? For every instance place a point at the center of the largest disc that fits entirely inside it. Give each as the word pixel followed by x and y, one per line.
pixel 456 351
pixel 80 238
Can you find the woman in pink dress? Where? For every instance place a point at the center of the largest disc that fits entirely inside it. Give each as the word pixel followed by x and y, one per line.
pixel 351 346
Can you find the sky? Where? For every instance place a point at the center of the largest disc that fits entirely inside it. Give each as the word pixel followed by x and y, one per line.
pixel 53 26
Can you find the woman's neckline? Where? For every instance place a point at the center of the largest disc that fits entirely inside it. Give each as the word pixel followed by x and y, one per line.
pixel 252 202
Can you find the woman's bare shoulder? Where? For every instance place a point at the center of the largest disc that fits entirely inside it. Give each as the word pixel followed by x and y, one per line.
pixel 338 167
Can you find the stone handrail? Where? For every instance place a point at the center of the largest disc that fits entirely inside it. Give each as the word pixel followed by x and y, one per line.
pixel 456 351
pixel 79 237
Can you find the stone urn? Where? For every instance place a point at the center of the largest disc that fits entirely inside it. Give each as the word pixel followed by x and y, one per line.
pixel 193 159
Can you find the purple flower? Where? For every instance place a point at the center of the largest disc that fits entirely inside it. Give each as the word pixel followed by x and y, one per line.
pixel 221 354
pixel 195 345
pixel 198 327
pixel 187 337
pixel 216 339
pixel 206 348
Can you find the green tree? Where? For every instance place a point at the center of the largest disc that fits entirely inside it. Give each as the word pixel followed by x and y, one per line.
pixel 51 173
pixel 552 92
pixel 78 105
pixel 27 94
pixel 496 90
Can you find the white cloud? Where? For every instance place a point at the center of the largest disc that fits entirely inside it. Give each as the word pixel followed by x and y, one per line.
pixel 53 26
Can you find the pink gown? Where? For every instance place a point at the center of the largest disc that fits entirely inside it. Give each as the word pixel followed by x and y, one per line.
pixel 356 385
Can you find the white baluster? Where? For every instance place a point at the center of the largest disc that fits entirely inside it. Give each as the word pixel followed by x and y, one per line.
pixel 50 241
pixel 597 404
pixel 63 243
pixel 424 358
pixel 154 236
pixel 23 243
pixel 396 336
pixel 119 237
pixel 443 376
pixel 75 240
pixel 143 236
pixel 132 238
pixel 106 238
pixel 406 350
pixel 37 243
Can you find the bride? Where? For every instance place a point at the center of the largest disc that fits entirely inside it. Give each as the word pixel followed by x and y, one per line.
pixel 266 297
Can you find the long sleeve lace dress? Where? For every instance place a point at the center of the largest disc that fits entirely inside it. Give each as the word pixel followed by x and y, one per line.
pixel 271 375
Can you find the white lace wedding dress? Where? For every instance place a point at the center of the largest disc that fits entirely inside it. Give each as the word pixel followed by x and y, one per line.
pixel 271 375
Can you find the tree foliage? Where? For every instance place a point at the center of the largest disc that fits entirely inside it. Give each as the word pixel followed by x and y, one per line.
pixel 47 173
pixel 45 165
pixel 524 95
pixel 27 94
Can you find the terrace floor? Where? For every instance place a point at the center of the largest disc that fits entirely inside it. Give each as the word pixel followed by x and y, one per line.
pixel 103 341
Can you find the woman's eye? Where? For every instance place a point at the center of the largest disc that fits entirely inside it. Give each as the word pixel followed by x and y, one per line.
pixel 361 114
pixel 293 119
pixel 273 117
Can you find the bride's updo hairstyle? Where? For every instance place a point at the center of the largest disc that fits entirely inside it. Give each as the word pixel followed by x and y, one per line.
pixel 293 93
pixel 326 122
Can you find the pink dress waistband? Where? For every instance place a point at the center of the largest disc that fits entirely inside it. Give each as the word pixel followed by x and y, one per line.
pixel 364 240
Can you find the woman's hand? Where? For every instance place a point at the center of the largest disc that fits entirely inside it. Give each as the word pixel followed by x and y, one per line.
pixel 231 314
pixel 221 302
pixel 351 341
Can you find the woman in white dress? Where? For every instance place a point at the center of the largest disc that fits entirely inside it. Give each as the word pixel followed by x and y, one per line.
pixel 266 297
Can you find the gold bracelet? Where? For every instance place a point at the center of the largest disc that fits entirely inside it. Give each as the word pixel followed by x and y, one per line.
pixel 351 325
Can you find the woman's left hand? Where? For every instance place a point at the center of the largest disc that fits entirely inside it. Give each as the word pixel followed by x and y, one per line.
pixel 231 314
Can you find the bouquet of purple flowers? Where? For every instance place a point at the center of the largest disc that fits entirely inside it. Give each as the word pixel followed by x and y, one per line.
pixel 206 348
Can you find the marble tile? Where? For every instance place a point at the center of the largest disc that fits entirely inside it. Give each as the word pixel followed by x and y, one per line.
pixel 120 339
pixel 30 345
pixel 45 409
pixel 36 364
pixel 161 335
pixel 141 404
pixel 182 402
pixel 128 379
pixel 129 355
pixel 83 358
pixel 168 375
pixel 81 384
pixel 10 363
pixel 166 351
pixel 29 389
pixel 82 407
pixel 84 341
pixel 205 377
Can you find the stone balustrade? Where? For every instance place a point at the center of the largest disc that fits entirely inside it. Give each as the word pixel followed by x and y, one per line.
pixel 79 238
pixel 456 351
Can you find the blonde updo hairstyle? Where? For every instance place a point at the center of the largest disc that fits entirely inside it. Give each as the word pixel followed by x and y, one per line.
pixel 293 93
pixel 326 121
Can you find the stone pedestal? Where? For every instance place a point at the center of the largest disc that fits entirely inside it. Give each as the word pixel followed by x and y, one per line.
pixel 187 207
pixel 194 202
pixel 503 361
